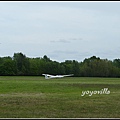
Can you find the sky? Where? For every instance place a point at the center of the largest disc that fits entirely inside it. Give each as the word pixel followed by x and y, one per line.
pixel 61 30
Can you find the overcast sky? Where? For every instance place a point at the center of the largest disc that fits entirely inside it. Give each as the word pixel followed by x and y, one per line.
pixel 60 30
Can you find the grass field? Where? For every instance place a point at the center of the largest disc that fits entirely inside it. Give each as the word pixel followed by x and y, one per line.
pixel 35 97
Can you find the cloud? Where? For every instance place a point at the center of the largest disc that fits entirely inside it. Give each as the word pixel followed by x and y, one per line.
pixel 69 40
pixel 75 39
pixel 60 41
pixel 64 41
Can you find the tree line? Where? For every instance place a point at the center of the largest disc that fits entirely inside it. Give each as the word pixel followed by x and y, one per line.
pixel 19 64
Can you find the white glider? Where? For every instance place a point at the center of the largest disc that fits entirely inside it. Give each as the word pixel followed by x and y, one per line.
pixel 47 76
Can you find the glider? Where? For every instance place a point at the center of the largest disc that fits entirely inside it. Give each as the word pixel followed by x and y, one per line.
pixel 47 76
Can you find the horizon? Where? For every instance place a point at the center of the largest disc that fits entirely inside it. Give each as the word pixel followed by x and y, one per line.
pixel 60 61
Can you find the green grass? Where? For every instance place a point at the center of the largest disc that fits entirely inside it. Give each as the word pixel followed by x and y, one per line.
pixel 35 97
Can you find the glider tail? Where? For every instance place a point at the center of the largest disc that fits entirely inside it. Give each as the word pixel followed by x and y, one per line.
pixel 46 77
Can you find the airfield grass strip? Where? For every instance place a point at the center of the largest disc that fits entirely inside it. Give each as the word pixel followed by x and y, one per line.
pixel 35 97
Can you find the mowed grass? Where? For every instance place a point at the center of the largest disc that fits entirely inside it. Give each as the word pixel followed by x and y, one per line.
pixel 35 97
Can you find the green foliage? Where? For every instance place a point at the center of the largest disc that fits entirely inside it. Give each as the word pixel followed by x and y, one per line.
pixel 7 66
pixel 90 67
pixel 22 63
pixel 93 67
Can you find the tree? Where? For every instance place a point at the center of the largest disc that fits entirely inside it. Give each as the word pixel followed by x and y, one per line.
pixel 7 66
pixel 116 62
pixel 22 64
pixel 90 67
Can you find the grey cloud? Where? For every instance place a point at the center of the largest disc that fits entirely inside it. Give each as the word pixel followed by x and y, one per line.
pixel 75 39
pixel 60 41
pixel 66 40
